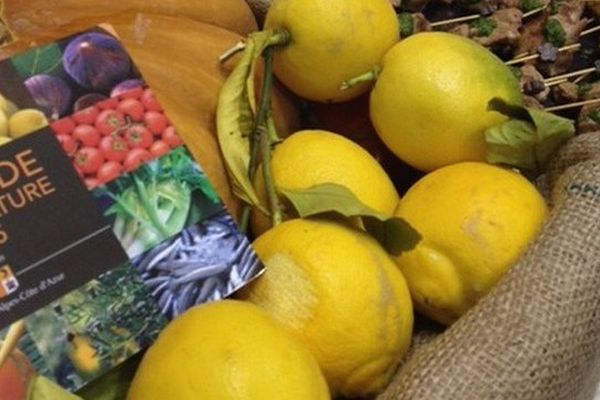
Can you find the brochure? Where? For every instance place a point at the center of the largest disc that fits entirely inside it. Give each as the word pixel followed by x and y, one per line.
pixel 108 226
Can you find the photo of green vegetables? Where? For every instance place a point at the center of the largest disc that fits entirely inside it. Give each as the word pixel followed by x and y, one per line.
pixel 157 201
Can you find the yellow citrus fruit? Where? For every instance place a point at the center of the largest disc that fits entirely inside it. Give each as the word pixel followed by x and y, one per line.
pixel 429 104
pixel 331 41
pixel 475 220
pixel 340 293
pixel 311 157
pixel 228 350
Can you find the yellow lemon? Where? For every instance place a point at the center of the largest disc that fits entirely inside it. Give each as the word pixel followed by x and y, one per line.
pixel 340 293
pixel 429 104
pixel 228 350
pixel 311 157
pixel 475 220
pixel 331 41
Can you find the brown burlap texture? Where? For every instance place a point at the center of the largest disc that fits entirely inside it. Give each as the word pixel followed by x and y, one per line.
pixel 537 335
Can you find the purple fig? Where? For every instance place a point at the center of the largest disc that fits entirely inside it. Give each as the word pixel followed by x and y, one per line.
pixel 96 61
pixel 51 94
pixel 126 86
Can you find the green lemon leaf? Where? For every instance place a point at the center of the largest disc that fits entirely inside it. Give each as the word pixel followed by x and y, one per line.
pixel 235 112
pixel 528 138
pixel 552 132
pixel 42 388
pixel 45 60
pixel 511 143
pixel 394 234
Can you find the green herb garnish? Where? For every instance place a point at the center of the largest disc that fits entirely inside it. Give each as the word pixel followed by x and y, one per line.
pixel 555 5
pixel 594 116
pixel 584 89
pixel 516 71
pixel 407 25
pixel 530 5
pixel 483 26
pixel 555 33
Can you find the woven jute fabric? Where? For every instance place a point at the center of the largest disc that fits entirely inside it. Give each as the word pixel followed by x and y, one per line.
pixel 536 336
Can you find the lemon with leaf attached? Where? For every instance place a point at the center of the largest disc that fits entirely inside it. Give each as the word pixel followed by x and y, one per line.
pixel 429 104
pixel 312 157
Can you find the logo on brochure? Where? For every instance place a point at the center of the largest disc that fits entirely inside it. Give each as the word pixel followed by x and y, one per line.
pixel 8 282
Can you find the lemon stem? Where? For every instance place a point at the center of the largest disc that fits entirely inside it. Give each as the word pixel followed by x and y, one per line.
pixel 264 107
pixel 369 76
pixel 280 38
pixel 266 148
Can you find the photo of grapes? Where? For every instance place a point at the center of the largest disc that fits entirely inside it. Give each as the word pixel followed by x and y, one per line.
pixel 157 201
pixel 82 335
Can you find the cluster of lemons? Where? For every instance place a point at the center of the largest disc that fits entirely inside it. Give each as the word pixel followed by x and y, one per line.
pixel 333 313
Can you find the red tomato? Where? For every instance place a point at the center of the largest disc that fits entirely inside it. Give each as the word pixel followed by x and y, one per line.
pixel 171 138
pixel 139 137
pixel 86 116
pixel 133 108
pixel 89 159
pixel 109 171
pixel 135 158
pixel 63 126
pixel 159 148
pixel 156 122
pixel 150 102
pixel 114 148
pixel 68 144
pixel 110 121
pixel 91 183
pixel 87 135
pixel 108 104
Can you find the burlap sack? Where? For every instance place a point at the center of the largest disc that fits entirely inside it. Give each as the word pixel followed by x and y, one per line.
pixel 537 335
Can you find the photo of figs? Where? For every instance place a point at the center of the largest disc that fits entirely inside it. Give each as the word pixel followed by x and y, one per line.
pixel 67 76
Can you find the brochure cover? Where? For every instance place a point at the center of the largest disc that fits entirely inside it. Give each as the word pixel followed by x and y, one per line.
pixel 108 226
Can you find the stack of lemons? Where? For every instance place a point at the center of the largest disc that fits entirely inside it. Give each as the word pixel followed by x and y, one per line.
pixel 333 313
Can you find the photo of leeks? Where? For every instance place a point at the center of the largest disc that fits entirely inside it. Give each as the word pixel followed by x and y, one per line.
pixel 157 201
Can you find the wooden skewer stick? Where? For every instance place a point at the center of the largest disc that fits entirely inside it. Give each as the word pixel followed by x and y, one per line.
pixel 591 30
pixel 582 77
pixel 569 75
pixel 574 46
pixel 534 11
pixel 572 105
pixel 455 20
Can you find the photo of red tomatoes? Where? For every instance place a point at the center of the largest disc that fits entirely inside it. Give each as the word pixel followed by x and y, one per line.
pixel 116 135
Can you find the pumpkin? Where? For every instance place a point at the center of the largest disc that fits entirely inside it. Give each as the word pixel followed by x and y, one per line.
pixel 26 19
pixel 178 57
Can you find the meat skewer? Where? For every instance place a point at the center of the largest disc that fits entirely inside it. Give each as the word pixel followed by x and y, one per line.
pixel 473 17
